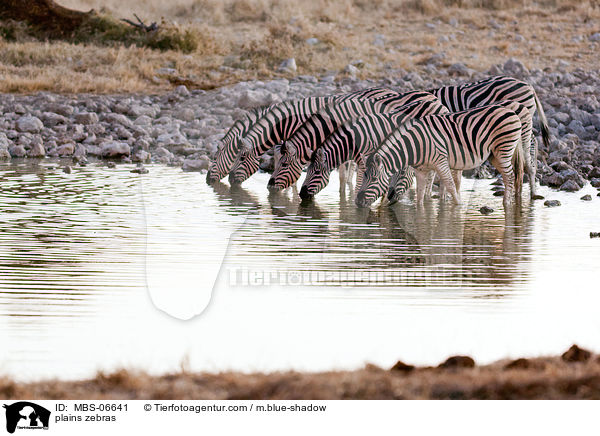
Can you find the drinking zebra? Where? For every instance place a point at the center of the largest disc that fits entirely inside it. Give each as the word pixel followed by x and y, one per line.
pixel 279 123
pixel 359 138
pixel 485 92
pixel 227 150
pixel 296 151
pixel 401 181
pixel 462 140
pixel 494 90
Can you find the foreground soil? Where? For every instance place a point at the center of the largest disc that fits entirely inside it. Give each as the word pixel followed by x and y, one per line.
pixel 574 375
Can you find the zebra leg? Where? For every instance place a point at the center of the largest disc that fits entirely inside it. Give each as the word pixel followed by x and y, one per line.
pixel 504 167
pixel 457 177
pixel 343 173
pixel 422 177
pixel 443 170
pixel 531 164
pixel 360 174
pixel 429 187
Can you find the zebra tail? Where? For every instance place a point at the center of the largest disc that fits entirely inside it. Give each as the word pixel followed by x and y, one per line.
pixel 518 163
pixel 543 122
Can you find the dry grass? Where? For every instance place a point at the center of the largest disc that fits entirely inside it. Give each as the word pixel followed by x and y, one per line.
pixel 540 378
pixel 247 39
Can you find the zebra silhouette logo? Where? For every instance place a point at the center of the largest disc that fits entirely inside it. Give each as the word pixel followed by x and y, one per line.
pixel 26 415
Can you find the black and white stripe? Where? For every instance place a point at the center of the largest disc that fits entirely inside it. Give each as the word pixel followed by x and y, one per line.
pixel 359 138
pixel 296 151
pixel 282 121
pixel 462 140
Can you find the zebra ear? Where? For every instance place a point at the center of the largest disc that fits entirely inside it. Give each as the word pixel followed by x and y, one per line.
pixel 319 155
pixel 291 151
pixel 246 145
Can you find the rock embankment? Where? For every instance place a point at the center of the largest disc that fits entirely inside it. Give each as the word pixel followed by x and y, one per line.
pixel 182 128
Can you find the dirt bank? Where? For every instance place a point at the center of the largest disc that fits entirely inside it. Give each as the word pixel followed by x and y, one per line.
pixel 574 375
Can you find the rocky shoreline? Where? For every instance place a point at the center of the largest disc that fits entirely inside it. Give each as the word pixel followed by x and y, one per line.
pixel 182 127
pixel 573 375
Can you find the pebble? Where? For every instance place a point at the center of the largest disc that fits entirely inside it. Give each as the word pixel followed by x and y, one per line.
pixel 67 169
pixel 140 170
pixel 587 197
pixel 570 186
pixel 114 149
pixel 551 203
pixel 184 124
pixel 28 123
pixel 288 66
pixel 486 210
pixel 594 234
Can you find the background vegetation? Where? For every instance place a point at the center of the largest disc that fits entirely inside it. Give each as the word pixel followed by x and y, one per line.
pixel 207 43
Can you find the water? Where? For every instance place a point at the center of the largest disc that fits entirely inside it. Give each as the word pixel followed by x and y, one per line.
pixel 318 287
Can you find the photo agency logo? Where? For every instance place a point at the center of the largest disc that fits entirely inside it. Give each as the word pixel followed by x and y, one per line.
pixel 25 415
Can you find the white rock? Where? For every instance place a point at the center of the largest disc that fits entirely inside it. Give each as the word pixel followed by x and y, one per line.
pixel 143 120
pixel 66 149
pixel 312 41
pixel 249 99
pixel 28 123
pixel 182 91
pixel 17 151
pixel 86 118
pixel 195 164
pixel 37 150
pixel 516 67
pixel 185 114
pixel 595 37
pixel 288 66
pixel 115 149
pixel 351 69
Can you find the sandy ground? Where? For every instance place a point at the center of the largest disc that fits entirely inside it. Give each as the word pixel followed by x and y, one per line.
pixel 574 375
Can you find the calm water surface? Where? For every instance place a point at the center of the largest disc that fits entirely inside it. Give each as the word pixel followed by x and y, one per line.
pixel 310 287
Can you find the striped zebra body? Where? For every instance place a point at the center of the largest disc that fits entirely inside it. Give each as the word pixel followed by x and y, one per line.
pixel 296 151
pixel 282 121
pixel 495 90
pixel 227 150
pixel 485 92
pixel 399 185
pixel 359 138
pixel 462 140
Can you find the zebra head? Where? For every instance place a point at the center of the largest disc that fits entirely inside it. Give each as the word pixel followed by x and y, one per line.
pixel 246 164
pixel 317 175
pixel 399 184
pixel 288 168
pixel 375 181
pixel 217 169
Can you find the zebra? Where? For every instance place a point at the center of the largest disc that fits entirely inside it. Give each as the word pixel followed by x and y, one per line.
pixel 494 90
pixel 282 121
pixel 296 151
pixel 461 140
pixel 398 184
pixel 226 153
pixel 359 138
pixel 485 92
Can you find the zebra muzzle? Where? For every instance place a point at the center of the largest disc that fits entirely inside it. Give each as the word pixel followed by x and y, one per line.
pixel 304 195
